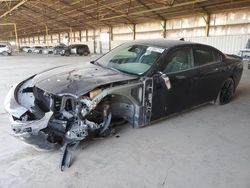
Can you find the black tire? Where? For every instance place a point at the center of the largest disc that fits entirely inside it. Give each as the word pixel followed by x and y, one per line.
pixel 227 91
pixel 29 51
pixel 80 51
pixel 85 53
pixel 5 53
pixel 40 51
pixel 67 53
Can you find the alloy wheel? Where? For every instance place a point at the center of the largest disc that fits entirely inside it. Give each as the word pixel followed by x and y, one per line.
pixel 227 91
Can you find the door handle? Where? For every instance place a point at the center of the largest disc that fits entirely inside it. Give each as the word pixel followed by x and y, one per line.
pixel 219 70
pixel 180 77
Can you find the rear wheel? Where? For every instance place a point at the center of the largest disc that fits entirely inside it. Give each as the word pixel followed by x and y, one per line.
pixel 85 53
pixel 227 92
pixel 80 51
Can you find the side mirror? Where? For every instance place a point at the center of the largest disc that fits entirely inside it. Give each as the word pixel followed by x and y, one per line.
pixel 162 74
pixel 165 78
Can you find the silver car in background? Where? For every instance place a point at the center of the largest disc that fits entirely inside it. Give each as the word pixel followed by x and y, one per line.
pixel 5 49
pixel 35 49
pixel 25 49
pixel 48 50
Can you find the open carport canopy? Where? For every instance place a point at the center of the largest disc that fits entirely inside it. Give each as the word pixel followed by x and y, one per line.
pixel 31 16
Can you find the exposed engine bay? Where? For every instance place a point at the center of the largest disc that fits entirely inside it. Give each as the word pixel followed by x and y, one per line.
pixel 65 119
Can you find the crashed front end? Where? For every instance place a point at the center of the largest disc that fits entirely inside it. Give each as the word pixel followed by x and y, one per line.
pixel 46 120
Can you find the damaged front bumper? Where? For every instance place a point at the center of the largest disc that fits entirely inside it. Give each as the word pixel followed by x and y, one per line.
pixel 27 131
pixel 25 128
pixel 62 121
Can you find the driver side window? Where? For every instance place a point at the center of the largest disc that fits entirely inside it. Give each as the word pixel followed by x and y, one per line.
pixel 178 60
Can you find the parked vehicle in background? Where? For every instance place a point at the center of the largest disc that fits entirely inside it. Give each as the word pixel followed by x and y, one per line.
pixel 5 49
pixel 79 49
pixel 58 49
pixel 35 49
pixel 24 48
pixel 245 53
pixel 38 49
pixel 48 50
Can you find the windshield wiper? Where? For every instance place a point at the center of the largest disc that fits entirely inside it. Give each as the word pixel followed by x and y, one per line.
pixel 95 63
pixel 108 67
pixel 111 68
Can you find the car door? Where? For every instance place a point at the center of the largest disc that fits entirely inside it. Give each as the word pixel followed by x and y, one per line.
pixel 174 88
pixel 211 73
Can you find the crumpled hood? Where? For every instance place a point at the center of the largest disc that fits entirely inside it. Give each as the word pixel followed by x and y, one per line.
pixel 77 79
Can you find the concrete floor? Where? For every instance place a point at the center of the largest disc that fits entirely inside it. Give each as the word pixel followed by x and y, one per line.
pixel 203 148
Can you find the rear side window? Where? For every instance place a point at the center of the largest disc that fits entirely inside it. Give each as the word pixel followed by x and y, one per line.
pixel 2 46
pixel 206 55
pixel 203 56
pixel 217 56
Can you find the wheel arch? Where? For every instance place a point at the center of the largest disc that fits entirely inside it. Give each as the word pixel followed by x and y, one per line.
pixel 123 102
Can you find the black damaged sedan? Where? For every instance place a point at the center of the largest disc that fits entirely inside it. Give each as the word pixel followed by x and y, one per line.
pixel 138 82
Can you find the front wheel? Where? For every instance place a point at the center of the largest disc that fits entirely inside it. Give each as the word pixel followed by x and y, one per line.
pixel 5 53
pixel 227 92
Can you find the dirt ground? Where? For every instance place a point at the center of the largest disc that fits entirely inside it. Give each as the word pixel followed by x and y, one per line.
pixel 202 148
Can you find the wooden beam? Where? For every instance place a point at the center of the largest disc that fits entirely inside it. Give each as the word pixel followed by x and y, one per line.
pixel 94 43
pixel 46 35
pixel 134 31
pixel 80 35
pixel 116 11
pixel 87 37
pixel 110 37
pixel 207 25
pixel 155 9
pixel 16 35
pixel 70 35
pixel 164 28
pixel 59 38
pixel 100 42
pixel 15 30
pixel 80 11
pixel 149 8
pixel 13 8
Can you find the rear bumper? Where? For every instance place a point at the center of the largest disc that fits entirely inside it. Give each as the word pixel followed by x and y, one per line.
pixel 238 74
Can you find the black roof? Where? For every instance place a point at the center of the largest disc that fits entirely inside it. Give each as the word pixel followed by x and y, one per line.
pixel 75 45
pixel 163 43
